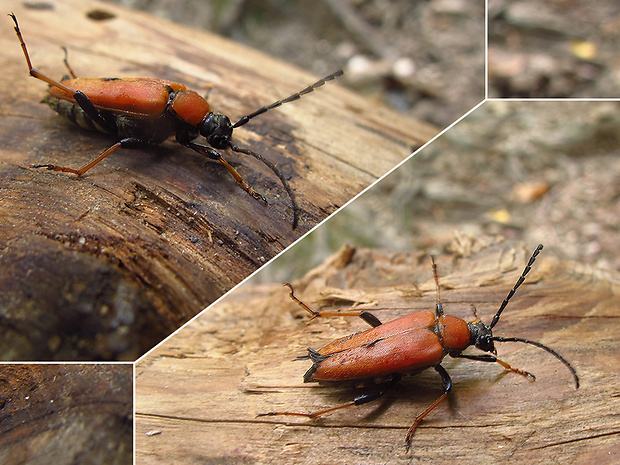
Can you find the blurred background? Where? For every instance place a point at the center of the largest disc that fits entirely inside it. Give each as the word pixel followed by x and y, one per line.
pixel 555 48
pixel 423 58
pixel 540 172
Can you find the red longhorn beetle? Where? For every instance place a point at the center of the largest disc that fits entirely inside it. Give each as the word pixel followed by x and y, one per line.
pixel 145 111
pixel 407 346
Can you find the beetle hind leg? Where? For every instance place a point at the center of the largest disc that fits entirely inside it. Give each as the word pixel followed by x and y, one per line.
pixel 67 65
pixel 360 400
pixel 33 72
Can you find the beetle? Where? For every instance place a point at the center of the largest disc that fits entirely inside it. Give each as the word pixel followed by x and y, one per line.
pixel 145 111
pixel 406 346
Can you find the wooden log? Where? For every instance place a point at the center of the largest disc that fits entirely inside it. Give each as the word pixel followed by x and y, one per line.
pixel 105 265
pixel 52 413
pixel 204 386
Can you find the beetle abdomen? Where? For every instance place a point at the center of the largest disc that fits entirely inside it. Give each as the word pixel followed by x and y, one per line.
pixel 73 113
pixel 148 130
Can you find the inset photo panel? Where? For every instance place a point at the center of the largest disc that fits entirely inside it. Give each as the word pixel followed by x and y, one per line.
pixel 66 414
pixel 149 166
pixel 554 49
pixel 462 307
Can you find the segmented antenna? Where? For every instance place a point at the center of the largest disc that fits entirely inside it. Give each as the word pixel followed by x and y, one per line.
pixel 274 168
pixel 527 269
pixel 291 98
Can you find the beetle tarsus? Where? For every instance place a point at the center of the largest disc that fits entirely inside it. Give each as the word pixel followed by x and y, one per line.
pixel 62 169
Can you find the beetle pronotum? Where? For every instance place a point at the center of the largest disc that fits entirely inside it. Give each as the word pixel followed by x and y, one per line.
pixel 407 346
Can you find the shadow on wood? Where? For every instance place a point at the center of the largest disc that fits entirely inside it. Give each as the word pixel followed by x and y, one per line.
pixel 238 360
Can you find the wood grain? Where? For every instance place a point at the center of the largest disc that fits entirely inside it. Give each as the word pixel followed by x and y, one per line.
pixel 203 388
pixel 105 265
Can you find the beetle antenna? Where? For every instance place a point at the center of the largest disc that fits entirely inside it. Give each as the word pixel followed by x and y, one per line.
pixel 277 172
pixel 291 98
pixel 527 269
pixel 543 347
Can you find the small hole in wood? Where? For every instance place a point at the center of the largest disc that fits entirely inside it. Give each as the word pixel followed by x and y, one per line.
pixel 100 15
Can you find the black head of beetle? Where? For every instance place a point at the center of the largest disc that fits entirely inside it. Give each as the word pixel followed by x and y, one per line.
pixel 217 129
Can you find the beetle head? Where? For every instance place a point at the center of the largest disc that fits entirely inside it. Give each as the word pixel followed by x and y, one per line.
pixel 481 336
pixel 217 129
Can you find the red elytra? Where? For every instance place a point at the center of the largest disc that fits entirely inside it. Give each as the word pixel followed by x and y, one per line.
pixel 406 346
pixel 143 97
pixel 144 111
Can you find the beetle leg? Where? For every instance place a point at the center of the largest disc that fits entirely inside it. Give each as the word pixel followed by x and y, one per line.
pixel 446 384
pixel 82 100
pixel 126 143
pixel 475 312
pixel 364 315
pixel 438 306
pixel 33 72
pixel 91 111
pixel 66 60
pixel 213 154
pixel 277 172
pixel 360 400
pixel 492 358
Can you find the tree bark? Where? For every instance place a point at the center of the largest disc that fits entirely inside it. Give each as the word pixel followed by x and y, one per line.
pixel 204 387
pixel 105 265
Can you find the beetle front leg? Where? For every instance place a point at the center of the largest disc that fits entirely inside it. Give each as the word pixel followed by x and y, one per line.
pixel 446 384
pixel 492 358
pixel 213 154
pixel 366 316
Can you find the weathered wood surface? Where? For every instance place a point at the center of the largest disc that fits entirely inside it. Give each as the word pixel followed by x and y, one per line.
pixel 66 414
pixel 103 266
pixel 202 389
